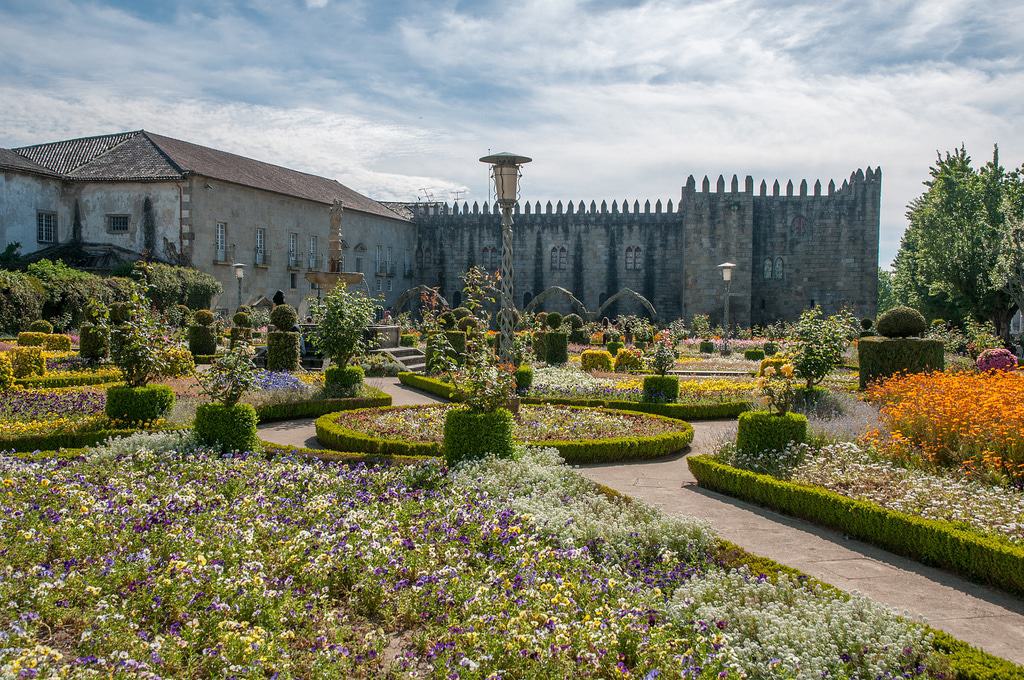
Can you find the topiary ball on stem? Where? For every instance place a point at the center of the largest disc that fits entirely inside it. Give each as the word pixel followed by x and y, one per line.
pixel 284 317
pixel 554 320
pixel 203 317
pixel 242 320
pixel 901 322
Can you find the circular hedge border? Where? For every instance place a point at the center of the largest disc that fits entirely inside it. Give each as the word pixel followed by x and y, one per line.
pixel 335 436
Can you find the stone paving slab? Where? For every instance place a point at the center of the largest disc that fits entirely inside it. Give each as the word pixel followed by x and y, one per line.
pixel 982 616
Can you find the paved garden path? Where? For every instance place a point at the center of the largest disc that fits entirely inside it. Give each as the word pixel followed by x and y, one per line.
pixel 982 616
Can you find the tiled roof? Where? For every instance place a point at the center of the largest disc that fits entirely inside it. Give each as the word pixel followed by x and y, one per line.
pixel 146 156
pixel 229 167
pixel 11 159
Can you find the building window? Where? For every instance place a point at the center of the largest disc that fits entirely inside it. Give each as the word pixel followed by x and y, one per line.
pixel 780 269
pixel 222 243
pixel 391 285
pixel 559 259
pixel 633 258
pixel 390 261
pixel 261 245
pixel 118 224
pixel 46 227
pixel 379 261
pixel 293 250
pixel 767 269
pixel 292 279
pixel 380 284
pixel 312 252
pixel 419 258
pixel 359 264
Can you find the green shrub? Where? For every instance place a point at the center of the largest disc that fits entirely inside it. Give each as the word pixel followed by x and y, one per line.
pixel 753 354
pixel 282 350
pixel 21 300
pixel 936 542
pixel 882 357
pixel 524 378
pixel 93 341
pixel 31 339
pixel 457 339
pixel 553 321
pixel 407 340
pixel 901 322
pixel 343 381
pixel 334 435
pixel 468 324
pixel 181 316
pixel 132 405
pixel 6 372
pixel 574 320
pixel 707 347
pixel 579 336
pixel 629 360
pixel 537 343
pixel 284 317
pixel 239 334
pixel 71 379
pixel 596 360
pixel 202 340
pixel 67 291
pixel 866 323
pixel 771 349
pixel 27 361
pixel 469 435
pixel 120 312
pixel 242 320
pixel 168 285
pixel 762 431
pixel 461 313
pixel 428 384
pixel 661 389
pixel 203 317
pixel 556 346
pixel 228 428
pixel 714 410
pixel 613 347
pixel 57 342
pixel 41 326
pixel 447 320
pixel 177 362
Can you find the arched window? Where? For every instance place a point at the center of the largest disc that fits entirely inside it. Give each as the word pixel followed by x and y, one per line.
pixel 527 296
pixel 636 259
pixel 629 258
pixel 554 259
pixel 779 269
pixel 767 269
pixel 563 258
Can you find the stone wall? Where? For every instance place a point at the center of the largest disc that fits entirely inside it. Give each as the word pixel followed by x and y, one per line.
pixel 828 245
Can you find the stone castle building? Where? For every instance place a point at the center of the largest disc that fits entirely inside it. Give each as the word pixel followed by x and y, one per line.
pixel 110 197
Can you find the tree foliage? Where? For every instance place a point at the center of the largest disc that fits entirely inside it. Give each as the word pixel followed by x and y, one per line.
pixel 816 343
pixel 342 318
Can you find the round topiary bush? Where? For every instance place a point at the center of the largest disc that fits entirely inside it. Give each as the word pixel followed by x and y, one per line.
pixel 999 359
pixel 596 360
pixel 760 431
pixel 469 435
pixel 139 404
pixel 120 312
pixel 707 347
pixel 203 317
pixel 461 313
pixel 40 326
pixel 229 428
pixel 901 322
pixel 554 320
pixel 613 348
pixel 447 320
pixel 284 317
pixel 524 378
pixel 242 320
pixel 343 381
pixel 574 320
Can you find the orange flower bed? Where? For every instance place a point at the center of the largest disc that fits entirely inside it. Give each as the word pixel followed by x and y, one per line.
pixel 973 420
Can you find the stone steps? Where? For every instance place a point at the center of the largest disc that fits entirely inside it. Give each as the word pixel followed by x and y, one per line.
pixel 411 358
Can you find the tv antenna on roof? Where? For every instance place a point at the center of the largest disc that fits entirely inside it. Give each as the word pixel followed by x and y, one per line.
pixel 426 194
pixel 458 194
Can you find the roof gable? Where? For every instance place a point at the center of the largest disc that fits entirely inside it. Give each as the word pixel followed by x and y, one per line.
pixel 70 154
pixel 12 159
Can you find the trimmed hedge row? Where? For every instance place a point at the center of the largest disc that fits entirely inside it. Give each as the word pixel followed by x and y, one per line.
pixel 980 558
pixel 709 411
pixel 336 436
pixel 879 357
pixel 313 408
pixel 101 377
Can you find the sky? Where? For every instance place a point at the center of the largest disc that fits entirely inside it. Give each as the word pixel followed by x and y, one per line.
pixel 613 100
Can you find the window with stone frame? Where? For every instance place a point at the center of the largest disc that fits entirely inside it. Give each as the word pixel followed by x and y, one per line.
pixel 563 258
pixel 554 259
pixel 118 224
pixel 768 269
pixel 780 269
pixel 633 258
pixel 221 242
pixel 46 227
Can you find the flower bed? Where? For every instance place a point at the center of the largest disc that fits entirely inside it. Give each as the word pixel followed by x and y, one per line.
pixel 77 378
pixel 242 566
pixel 971 420
pixel 369 397
pixel 572 383
pixel 29 404
pixel 580 434
pixel 942 543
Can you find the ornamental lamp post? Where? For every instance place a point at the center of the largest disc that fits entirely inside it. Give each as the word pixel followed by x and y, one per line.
pixel 239 275
pixel 727 268
pixel 506 173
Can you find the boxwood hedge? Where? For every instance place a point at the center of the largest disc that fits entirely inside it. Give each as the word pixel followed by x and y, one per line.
pixel 980 558
pixel 370 397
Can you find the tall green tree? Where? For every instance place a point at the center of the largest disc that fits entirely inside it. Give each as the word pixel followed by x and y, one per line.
pixel 955 234
pixel 886 296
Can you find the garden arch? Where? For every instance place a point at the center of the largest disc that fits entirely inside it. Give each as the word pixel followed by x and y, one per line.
pixel 553 291
pixel 631 294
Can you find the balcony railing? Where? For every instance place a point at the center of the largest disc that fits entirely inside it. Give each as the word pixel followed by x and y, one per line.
pixel 313 262
pixel 294 260
pixel 224 254
pixel 260 258
pixel 385 269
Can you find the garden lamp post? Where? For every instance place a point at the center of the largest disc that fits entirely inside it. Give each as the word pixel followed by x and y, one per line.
pixel 239 275
pixel 727 268
pixel 505 171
